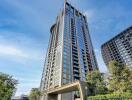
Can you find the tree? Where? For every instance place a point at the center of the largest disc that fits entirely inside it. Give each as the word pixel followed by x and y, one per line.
pixel 7 86
pixel 120 77
pixel 34 94
pixel 96 83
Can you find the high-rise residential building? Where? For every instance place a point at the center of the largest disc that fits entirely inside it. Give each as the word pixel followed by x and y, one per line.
pixel 70 55
pixel 119 48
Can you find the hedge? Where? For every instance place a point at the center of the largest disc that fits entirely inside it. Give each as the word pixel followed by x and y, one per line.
pixel 121 96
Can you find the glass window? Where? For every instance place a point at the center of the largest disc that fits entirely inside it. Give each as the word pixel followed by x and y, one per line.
pixel 64 75
pixel 67 5
pixel 72 9
pixel 64 80
pixel 64 70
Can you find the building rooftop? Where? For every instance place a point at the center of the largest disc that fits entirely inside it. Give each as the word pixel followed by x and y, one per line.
pixel 118 35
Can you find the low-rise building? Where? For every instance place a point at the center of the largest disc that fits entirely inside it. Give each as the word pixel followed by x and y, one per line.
pixel 22 97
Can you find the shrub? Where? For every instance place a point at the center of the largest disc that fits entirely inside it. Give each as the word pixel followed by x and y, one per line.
pixel 121 96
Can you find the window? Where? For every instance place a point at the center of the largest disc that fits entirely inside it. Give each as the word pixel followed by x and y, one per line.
pixel 72 9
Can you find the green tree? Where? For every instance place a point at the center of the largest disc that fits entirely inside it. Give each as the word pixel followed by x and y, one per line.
pixel 96 83
pixel 120 77
pixel 34 94
pixel 7 86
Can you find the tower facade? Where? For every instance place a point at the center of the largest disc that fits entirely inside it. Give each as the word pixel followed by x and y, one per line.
pixel 119 48
pixel 70 55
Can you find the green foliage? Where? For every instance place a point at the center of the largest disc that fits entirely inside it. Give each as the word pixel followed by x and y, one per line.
pixel 7 86
pixel 119 96
pixel 120 78
pixel 119 83
pixel 34 94
pixel 95 83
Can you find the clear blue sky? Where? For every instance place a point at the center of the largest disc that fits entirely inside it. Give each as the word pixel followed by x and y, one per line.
pixel 24 33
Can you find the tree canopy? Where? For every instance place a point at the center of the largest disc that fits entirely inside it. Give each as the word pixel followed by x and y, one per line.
pixel 34 94
pixel 120 77
pixel 7 86
pixel 96 83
